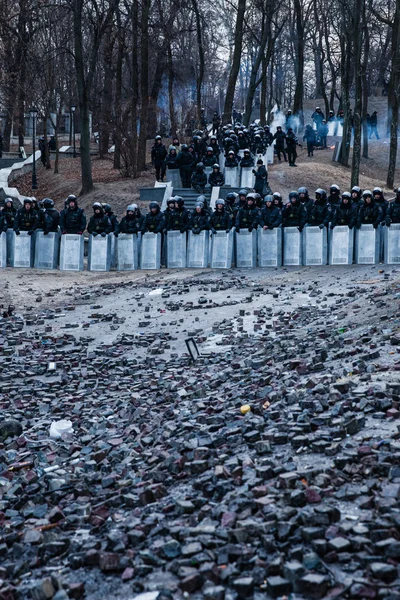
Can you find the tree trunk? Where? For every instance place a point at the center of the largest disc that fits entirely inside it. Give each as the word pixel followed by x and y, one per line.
pixel 107 95
pixel 394 95
pixel 155 92
pixel 357 37
pixel 345 68
pixel 144 84
pixel 200 76
pixel 263 95
pixel 253 83
pixel 118 98
pixel 135 87
pixel 237 53
pixel 46 139
pixel 171 92
pixel 84 120
pixel 8 129
pixel 364 84
pixel 299 63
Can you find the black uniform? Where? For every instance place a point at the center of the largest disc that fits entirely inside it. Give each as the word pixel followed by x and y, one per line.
pixel 310 137
pixel 171 162
pixel 199 180
pixel 208 159
pixel 26 220
pixel 345 214
pixel 9 214
pixel 393 211
pixel 99 224
pixel 247 161
pixel 247 217
pixel 3 222
pixel 231 161
pixel 294 215
pixel 158 156
pixel 280 138
pixel 200 221
pixel 49 220
pixel 185 162
pixel 131 223
pixel 72 220
pixel 261 182
pixel 220 220
pixel 291 143
pixel 369 214
pixel 178 220
pixel 271 216
pixel 154 222
pixel 319 213
pixel 216 179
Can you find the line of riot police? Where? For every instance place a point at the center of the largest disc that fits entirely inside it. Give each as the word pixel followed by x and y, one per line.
pixel 245 210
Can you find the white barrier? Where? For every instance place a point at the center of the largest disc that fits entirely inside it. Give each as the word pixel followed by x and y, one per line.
pixel 341 245
pixel 150 254
pixel 176 250
pixel 367 245
pixel 391 237
pixel 21 250
pixel 47 249
pixel 246 248
pixel 270 247
pixel 71 252
pixel 198 246
pixel 222 250
pixel 127 251
pixel 315 246
pixel 292 247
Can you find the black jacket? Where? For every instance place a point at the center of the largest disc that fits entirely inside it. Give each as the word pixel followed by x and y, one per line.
pixel 73 221
pixel 3 223
pixel 154 222
pixel 345 214
pixel 185 160
pixel 393 212
pixel 49 220
pixel 132 224
pixel 231 162
pixel 247 218
pixel 99 224
pixel 280 137
pixel 198 179
pixel 369 214
pixel 26 220
pixel 9 214
pixel 171 162
pixel 221 220
pixel 261 175
pixel 200 221
pixel 247 161
pixel 158 154
pixel 271 217
pixel 216 179
pixel 319 213
pixel 178 220
pixel 294 215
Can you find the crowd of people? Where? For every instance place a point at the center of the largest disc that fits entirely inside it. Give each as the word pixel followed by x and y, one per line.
pixel 207 145
pixel 243 210
pixel 222 145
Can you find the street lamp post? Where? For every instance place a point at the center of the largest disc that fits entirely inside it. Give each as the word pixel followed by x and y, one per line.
pixel 33 112
pixel 73 109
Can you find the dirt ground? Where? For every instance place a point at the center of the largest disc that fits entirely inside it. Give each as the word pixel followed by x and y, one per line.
pixel 319 171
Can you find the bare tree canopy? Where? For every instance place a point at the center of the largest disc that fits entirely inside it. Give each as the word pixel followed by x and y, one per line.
pixel 134 69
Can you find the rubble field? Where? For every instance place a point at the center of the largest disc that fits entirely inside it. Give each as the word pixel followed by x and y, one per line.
pixel 267 468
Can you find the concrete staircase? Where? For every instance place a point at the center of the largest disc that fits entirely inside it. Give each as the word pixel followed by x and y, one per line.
pixel 190 196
